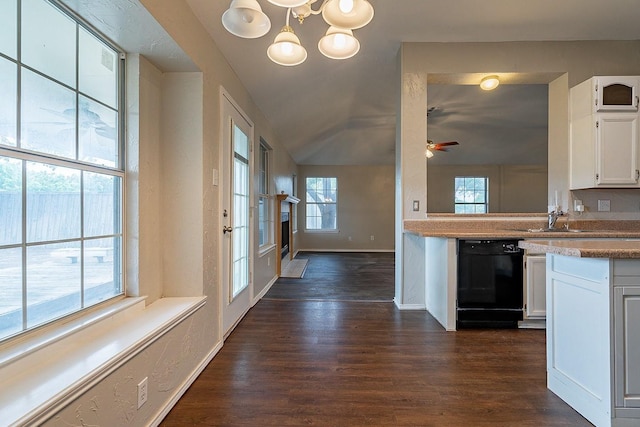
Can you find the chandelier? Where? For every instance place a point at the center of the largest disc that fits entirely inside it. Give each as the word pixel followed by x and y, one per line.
pixel 245 19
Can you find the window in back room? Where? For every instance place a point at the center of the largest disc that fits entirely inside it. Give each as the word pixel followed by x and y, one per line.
pixel 471 194
pixel 321 204
pixel 61 169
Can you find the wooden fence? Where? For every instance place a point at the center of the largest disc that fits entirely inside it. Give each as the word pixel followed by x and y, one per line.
pixel 56 216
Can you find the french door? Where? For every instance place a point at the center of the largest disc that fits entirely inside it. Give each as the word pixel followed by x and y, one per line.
pixel 237 142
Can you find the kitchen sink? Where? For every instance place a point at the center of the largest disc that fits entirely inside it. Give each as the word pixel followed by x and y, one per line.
pixel 549 230
pixel 553 230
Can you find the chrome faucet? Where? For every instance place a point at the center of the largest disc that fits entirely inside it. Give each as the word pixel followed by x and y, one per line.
pixel 553 217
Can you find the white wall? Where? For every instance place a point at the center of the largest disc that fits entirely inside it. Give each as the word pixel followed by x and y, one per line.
pixel 182 184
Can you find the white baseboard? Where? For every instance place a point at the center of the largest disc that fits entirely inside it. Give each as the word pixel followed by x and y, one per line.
pixel 409 306
pixel 185 386
pixel 264 291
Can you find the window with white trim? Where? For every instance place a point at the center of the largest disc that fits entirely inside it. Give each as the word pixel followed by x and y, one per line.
pixel 294 206
pixel 321 204
pixel 265 223
pixel 471 194
pixel 61 169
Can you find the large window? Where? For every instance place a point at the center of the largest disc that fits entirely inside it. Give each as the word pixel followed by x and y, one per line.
pixel 60 166
pixel 264 205
pixel 471 194
pixel 321 204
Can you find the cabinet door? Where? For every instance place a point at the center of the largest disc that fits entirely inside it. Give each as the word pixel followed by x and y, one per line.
pixel 627 346
pixel 535 283
pixel 616 93
pixel 616 153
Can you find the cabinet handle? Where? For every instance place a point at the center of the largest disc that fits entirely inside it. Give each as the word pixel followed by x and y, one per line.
pixel 637 101
pixel 637 175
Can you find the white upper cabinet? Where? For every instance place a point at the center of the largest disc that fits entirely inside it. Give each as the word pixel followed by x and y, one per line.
pixel 604 144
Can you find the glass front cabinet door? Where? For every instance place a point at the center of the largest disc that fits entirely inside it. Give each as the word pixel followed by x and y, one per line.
pixel 616 93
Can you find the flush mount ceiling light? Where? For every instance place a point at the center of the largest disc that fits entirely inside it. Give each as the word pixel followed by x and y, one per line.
pixel 489 83
pixel 245 19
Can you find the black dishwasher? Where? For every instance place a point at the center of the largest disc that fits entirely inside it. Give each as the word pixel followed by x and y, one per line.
pixel 489 284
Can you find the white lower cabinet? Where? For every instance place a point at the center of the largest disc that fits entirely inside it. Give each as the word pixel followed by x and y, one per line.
pixel 535 304
pixel 627 349
pixel 593 337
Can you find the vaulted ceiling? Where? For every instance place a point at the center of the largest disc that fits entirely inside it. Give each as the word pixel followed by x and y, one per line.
pixel 326 111
pixel 343 112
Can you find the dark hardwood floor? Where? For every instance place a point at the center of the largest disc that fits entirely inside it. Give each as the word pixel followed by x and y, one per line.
pixel 344 276
pixel 296 362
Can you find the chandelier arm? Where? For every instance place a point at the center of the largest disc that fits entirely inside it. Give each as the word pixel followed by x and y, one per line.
pixel 319 11
pixel 288 14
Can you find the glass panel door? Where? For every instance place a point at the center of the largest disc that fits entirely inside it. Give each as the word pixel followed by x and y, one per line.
pixel 240 209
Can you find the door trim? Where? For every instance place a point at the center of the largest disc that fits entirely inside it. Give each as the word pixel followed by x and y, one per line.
pixel 224 96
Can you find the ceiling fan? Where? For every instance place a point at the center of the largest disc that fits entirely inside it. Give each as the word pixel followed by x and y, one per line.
pixel 437 146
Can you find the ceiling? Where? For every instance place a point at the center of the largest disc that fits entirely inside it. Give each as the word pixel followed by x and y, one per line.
pixel 328 112
pixel 343 112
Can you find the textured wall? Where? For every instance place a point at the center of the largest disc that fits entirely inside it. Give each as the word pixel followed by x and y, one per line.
pixel 167 363
pixel 366 196
pixel 506 185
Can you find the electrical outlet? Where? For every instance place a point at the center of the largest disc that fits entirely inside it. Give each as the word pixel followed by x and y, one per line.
pixel 604 205
pixel 142 392
pixel 578 206
pixel 416 206
pixel 373 237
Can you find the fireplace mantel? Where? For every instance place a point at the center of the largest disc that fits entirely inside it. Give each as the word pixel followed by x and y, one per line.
pixel 287 199
pixel 292 200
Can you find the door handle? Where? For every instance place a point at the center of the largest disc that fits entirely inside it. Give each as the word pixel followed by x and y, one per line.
pixel 226 229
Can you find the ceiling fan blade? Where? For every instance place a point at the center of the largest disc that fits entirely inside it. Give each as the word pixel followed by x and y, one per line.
pixel 439 148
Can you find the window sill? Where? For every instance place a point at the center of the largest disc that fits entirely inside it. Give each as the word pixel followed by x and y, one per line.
pixel 266 249
pixel 322 231
pixel 47 371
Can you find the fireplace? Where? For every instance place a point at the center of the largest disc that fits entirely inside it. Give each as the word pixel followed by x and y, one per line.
pixel 284 245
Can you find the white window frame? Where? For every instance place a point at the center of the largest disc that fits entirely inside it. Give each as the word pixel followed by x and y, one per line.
pixel 264 196
pixel 294 206
pixel 310 204
pixel 25 155
pixel 465 203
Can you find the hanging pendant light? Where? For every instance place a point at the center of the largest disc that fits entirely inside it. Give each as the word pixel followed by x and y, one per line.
pixel 352 14
pixel 288 3
pixel 245 19
pixel 339 43
pixel 286 48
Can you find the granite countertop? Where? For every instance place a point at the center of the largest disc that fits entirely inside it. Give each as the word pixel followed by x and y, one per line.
pixel 523 227
pixel 585 248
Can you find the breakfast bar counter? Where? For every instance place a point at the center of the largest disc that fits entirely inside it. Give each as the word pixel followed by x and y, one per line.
pixel 593 326
pixel 586 248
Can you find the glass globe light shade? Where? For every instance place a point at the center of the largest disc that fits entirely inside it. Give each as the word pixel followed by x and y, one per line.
pixel 352 14
pixel 286 49
pixel 339 43
pixel 245 19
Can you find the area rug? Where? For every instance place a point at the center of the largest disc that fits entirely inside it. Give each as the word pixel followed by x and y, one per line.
pixel 295 269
